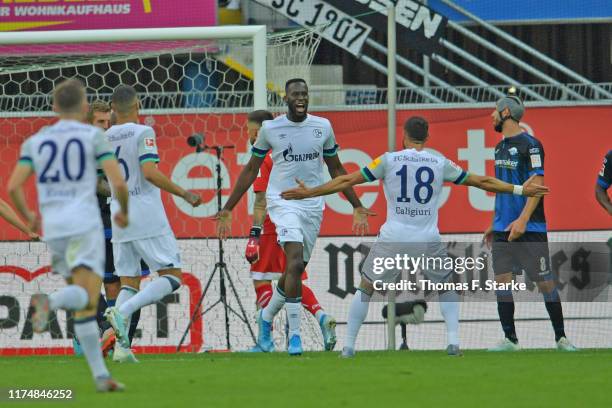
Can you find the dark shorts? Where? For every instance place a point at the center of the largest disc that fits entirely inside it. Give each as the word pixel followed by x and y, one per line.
pixel 109 270
pixel 528 254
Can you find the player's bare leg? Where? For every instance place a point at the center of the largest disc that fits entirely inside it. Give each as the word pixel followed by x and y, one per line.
pixel 358 311
pixel 505 309
pixel 555 312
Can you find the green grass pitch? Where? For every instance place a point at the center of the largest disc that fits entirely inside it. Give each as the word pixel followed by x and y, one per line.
pixel 535 378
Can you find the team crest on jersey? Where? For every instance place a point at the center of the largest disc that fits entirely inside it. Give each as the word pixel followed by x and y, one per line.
pixel 318 133
pixel 513 151
pixel 149 143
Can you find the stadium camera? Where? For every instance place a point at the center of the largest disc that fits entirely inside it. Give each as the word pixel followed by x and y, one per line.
pixel 196 140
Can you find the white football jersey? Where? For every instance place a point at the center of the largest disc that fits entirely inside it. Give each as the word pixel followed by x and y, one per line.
pixel 298 149
pixel 413 182
pixel 134 145
pixel 64 157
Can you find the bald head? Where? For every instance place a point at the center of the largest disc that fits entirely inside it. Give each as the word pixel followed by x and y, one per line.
pixel 69 98
pixel 125 100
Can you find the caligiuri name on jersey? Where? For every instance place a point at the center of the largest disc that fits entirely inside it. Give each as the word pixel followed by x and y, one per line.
pixel 412 212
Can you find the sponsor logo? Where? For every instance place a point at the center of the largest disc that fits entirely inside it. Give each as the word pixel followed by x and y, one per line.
pixel 510 164
pixel 282 136
pixel 149 143
pixel 534 150
pixel 289 156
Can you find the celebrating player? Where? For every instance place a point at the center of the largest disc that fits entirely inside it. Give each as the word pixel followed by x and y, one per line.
pixel 266 257
pixel 520 156
pixel 604 180
pixel 417 172
pixel 149 236
pixel 64 157
pixel 298 142
pixel 100 115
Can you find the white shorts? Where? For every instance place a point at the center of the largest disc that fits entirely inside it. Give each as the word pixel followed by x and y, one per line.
pixel 86 250
pixel 296 225
pixel 159 253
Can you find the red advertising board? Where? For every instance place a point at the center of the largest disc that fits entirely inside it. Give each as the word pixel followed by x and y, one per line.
pixel 16 15
pixel 575 140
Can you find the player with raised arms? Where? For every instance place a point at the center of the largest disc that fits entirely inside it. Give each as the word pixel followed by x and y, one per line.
pixel 299 142
pixel 64 157
pixel 604 180
pixel 149 236
pixel 518 233
pixel 413 180
pixel 263 252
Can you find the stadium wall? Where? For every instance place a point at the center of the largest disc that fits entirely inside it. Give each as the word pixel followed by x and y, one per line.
pixel 575 140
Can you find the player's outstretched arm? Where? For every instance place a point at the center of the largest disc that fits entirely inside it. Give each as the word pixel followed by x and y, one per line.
pixel 340 183
pixel 20 175
pixel 245 179
pixel 7 212
pixel 336 169
pixel 531 188
pixel 154 176
pixel 603 199
pixel 115 179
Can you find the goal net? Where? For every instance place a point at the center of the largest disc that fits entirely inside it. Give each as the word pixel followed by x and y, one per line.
pixel 187 84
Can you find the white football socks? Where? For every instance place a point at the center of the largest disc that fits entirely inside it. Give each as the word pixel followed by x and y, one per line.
pixel 274 306
pixel 357 314
pixel 125 294
pixel 89 338
pixel 449 306
pixel 153 292
pixel 294 316
pixel 71 297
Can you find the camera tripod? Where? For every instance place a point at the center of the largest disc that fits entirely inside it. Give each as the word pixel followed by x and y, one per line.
pixel 220 268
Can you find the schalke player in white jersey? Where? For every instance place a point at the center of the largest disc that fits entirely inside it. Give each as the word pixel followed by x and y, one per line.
pixel 149 236
pixel 413 180
pixel 64 157
pixel 300 143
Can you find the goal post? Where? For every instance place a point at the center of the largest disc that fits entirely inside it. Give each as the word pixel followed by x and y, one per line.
pixel 257 33
pixel 189 80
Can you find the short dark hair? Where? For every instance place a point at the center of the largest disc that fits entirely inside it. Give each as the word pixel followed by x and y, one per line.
pixel 416 128
pixel 123 99
pixel 258 116
pixel 294 81
pixel 97 106
pixel 68 96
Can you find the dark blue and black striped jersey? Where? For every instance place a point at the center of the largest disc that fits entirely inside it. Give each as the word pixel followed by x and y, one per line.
pixel 516 159
pixel 604 178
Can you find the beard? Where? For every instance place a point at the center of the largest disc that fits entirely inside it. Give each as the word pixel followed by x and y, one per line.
pixel 498 127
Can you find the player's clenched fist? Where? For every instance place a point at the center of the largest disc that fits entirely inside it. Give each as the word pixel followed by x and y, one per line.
pixel 192 198
pixel 252 249
pixel 121 219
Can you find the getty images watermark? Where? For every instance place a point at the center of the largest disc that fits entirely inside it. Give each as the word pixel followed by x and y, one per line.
pixel 581 271
pixel 437 266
